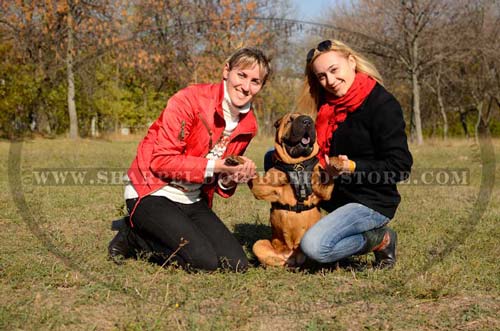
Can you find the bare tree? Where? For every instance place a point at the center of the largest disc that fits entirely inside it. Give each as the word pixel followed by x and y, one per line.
pixel 472 72
pixel 437 89
pixel 410 33
pixel 73 118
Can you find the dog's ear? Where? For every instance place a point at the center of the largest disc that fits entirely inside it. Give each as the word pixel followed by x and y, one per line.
pixel 278 122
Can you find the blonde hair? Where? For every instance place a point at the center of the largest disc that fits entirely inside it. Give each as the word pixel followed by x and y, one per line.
pixel 312 92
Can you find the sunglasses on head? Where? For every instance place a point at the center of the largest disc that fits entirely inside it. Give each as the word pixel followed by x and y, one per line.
pixel 322 46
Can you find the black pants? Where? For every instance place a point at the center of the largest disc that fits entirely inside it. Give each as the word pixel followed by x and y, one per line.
pixel 195 236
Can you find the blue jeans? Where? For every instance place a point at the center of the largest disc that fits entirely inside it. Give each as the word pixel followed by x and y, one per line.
pixel 339 234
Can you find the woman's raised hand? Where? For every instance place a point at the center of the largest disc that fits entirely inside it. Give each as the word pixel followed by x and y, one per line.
pixel 242 172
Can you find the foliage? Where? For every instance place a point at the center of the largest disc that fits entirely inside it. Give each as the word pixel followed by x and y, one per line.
pixel 130 56
pixel 18 90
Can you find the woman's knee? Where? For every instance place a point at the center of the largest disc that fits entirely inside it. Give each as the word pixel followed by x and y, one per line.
pixel 310 246
pixel 316 247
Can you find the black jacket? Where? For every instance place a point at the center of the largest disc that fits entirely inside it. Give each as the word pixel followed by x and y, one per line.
pixel 374 137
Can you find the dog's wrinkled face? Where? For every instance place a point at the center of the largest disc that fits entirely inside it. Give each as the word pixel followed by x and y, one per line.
pixel 298 134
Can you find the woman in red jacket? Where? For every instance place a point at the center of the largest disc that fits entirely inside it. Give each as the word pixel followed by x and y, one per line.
pixel 181 163
pixel 361 122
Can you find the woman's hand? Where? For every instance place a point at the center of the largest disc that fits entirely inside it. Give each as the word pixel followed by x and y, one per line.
pixel 341 166
pixel 241 173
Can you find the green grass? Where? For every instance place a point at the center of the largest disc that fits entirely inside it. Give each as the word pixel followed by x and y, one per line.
pixel 54 273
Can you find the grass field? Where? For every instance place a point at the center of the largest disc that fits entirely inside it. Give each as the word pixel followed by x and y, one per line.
pixel 54 273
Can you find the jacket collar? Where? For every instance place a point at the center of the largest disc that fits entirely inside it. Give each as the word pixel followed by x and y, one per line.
pixel 220 97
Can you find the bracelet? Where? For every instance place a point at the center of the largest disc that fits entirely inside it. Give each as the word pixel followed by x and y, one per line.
pixel 352 166
pixel 224 187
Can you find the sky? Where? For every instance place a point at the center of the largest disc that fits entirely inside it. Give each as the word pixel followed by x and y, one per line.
pixel 310 9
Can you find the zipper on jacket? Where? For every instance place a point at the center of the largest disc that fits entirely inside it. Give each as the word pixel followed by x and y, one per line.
pixel 210 133
pixel 181 133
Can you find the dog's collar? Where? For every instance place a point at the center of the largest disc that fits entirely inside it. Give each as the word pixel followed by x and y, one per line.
pixel 306 165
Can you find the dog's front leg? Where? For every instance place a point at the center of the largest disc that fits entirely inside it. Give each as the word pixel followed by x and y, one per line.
pixel 270 186
pixel 322 179
pixel 322 183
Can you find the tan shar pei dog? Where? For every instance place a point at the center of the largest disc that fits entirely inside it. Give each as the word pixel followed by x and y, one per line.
pixel 295 185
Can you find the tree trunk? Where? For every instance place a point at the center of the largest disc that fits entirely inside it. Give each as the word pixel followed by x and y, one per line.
pixel 484 115
pixel 73 119
pixel 442 109
pixel 417 120
pixel 93 127
pixel 479 121
pixel 463 119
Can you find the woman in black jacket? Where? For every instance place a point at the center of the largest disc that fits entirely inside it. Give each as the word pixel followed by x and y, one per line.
pixel 362 123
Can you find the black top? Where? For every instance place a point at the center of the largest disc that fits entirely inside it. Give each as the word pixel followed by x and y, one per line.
pixel 374 137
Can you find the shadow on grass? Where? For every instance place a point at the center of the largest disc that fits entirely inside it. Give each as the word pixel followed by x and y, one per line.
pixel 352 264
pixel 248 233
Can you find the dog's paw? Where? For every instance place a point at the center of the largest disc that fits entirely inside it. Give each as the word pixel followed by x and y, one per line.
pixel 336 163
pixel 233 160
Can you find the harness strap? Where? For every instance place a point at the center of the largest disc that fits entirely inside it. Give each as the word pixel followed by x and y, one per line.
pixel 299 207
pixel 299 175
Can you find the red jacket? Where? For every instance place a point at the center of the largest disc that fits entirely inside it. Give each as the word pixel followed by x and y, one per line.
pixel 178 141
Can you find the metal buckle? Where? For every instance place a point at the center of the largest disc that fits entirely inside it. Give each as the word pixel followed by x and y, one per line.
pixel 298 167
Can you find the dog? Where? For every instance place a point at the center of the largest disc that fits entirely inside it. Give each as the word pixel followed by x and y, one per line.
pixel 295 185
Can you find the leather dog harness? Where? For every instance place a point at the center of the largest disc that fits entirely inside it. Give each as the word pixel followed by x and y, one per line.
pixel 299 176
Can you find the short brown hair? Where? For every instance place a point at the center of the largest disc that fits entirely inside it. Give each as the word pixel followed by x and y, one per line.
pixel 247 57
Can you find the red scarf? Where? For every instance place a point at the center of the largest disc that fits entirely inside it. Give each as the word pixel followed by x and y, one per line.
pixel 334 110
